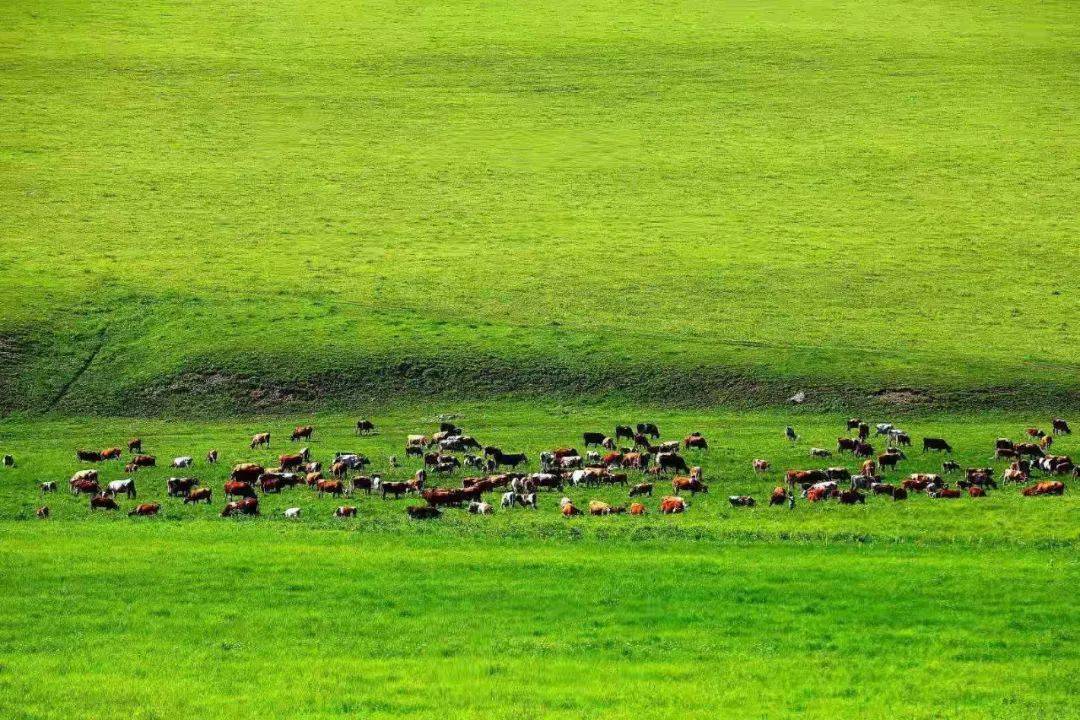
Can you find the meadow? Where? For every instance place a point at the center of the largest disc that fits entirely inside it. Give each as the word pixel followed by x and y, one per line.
pixel 227 208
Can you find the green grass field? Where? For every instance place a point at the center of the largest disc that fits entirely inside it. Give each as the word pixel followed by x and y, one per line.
pixel 231 208
pixel 546 218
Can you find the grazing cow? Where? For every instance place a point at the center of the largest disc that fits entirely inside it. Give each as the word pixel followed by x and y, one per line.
pixel 649 429
pixel 669 446
pixel 199 495
pixel 888 460
pixel 883 489
pixel 805 478
pixel 363 482
pixel 246 506
pixel 333 487
pixel 364 427
pixel 975 491
pixel 863 449
pixel 670 505
pixel 420 441
pixel 983 477
pixel 778 496
pixel 43 512
pixel 761 466
pixel 635 460
pixel 789 433
pixel 1054 487
pixel 126 487
pixel 83 475
pixel 9 461
pixel 292 513
pixel 180 486
pixel 672 461
pixel 183 462
pixel 269 483
pixel 510 459
pixel 135 445
pixel 930 443
pixel 869 468
pixel 235 488
pixel 144 461
pixel 1046 441
pixel 145 509
pixel 344 511
pixel 1029 449
pixel 212 457
pixel 112 453
pixel 861 482
pixel 900 494
pixel 899 437
pixel 921 481
pixel 246 472
pixel 1005 454
pixel 1014 474
pixel 624 431
pixel 569 510
pixel 1004 444
pixel 1060 427
pixel 944 493
pixel 551 481
pixel 47 487
pixel 1034 432
pixel 131 468
pixel 480 508
pixel 260 439
pixel 294 460
pixel 852 496
pixel 422 512
pixel 950 466
pixel 864 431
pixel 302 432
pixel 103 502
pixel 741 501
pixel 853 423
pixel 838 474
pixel 637 509
pixel 641 489
pixel 696 442
pixel 593 438
pixel 693 485
pixel 820 453
pixel 85 487
pixel 845 444
pixel 397 489
pixel 88 456
pixel 883 428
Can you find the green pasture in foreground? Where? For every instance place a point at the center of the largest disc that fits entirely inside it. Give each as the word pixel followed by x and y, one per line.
pixel 226 207
pixel 167 620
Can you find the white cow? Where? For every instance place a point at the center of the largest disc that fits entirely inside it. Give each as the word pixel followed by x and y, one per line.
pixel 508 499
pixel 183 462
pixel 127 487
pixel 293 512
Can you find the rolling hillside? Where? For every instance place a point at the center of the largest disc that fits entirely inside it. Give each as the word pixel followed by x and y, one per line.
pixel 235 208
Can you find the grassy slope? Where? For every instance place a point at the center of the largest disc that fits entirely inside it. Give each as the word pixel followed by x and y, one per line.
pixel 341 201
pixel 164 621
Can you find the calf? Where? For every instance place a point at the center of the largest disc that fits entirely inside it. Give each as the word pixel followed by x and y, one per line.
pixel 695 442
pixel 480 508
pixel 976 491
pixel 292 513
pixel 199 495
pixel 944 493
pixel 931 443
pixel 741 501
pixel 183 462
pixel 112 453
pixel 778 497
pixel 145 509
pixel 761 466
pixel 345 511
pixel 695 486
pixel 212 457
pixel 246 506
pixel 47 487
pixel 144 461
pixel 43 512
pixel 104 502
pixel 135 445
pixel 820 453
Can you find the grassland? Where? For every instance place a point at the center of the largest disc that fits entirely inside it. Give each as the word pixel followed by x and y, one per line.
pixel 234 208
pixel 166 620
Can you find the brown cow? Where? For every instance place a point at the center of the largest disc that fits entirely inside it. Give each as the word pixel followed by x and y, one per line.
pixel 302 432
pixel 247 506
pixel 292 461
pixel 899 494
pixel 1053 487
pixel 88 456
pixel 975 491
pixel 850 497
pixel 761 466
pixel 144 461
pixel 883 489
pixel 90 487
pixel 778 497
pixel 641 489
pixel 345 511
pixel 944 494
pixel 1034 432
pixel 1031 449
pixel 695 442
pixel 680 483
pixel 846 444
pixel 104 502
pixel 888 460
pixel 260 439
pixel 212 457
pixel 1060 427
pixel 43 512
pixel 805 478
pixel 568 510
pixel 145 509
pixel 637 509
pixel 135 445
pixel 236 488
pixel 670 505
pixel 199 495
pixel 246 472
pixel 112 453
pixel 180 486
pixel 334 487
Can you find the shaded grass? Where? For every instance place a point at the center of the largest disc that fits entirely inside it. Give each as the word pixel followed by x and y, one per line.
pixel 715 204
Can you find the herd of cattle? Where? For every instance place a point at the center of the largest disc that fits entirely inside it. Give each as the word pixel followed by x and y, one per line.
pixel 608 460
